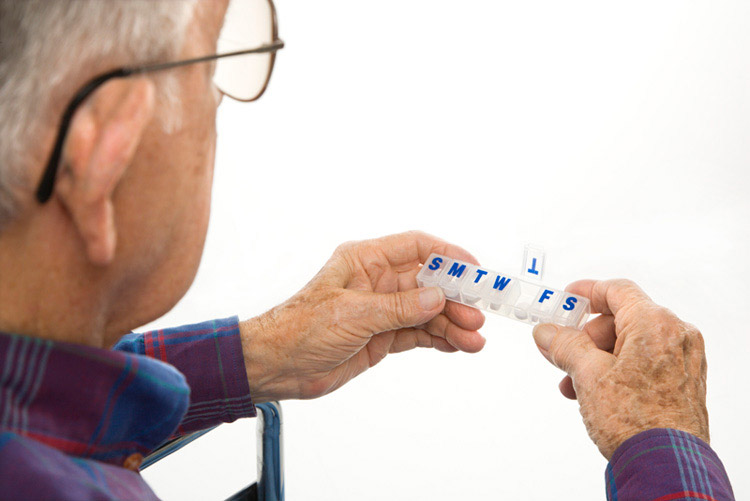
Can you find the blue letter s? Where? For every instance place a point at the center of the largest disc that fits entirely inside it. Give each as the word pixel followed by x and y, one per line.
pixel 570 303
pixel 436 263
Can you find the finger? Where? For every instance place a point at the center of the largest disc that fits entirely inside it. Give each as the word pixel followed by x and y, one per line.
pixel 403 252
pixel 601 330
pixel 428 244
pixel 571 350
pixel 408 279
pixel 464 316
pixel 406 247
pixel 464 340
pixel 412 247
pixel 408 339
pixel 377 312
pixel 566 388
pixel 610 296
pixel 442 345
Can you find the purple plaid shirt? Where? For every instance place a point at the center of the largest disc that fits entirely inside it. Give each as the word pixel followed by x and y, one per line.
pixel 666 465
pixel 75 421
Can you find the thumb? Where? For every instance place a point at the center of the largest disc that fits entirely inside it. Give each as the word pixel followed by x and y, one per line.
pixel 571 350
pixel 398 310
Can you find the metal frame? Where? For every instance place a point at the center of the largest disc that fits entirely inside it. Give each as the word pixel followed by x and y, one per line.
pixel 270 453
pixel 270 483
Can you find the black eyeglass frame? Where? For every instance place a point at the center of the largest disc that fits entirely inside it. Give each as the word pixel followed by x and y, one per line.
pixel 47 182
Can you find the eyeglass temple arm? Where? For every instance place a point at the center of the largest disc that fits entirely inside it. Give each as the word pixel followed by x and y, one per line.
pixel 44 192
pixel 272 47
pixel 46 185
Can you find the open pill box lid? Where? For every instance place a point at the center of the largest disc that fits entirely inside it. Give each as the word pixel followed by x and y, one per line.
pixel 503 294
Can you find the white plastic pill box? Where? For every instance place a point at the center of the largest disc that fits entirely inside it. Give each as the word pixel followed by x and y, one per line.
pixel 503 294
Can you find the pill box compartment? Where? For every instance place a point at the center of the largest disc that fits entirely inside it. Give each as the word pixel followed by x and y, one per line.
pixel 503 294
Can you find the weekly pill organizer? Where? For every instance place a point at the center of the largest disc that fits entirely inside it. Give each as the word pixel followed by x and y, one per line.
pixel 503 294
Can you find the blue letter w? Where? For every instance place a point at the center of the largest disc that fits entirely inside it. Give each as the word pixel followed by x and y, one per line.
pixel 501 282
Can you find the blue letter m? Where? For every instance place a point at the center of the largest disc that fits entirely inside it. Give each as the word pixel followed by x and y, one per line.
pixel 457 269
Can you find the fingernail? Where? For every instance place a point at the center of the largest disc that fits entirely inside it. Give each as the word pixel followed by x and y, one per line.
pixel 543 335
pixel 430 298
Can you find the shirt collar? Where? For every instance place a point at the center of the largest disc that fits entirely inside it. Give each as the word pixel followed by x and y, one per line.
pixel 88 402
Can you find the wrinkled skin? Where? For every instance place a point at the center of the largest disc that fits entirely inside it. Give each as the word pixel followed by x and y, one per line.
pixel 363 305
pixel 635 367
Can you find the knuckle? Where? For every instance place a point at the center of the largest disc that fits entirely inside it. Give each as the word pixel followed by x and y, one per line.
pixel 563 349
pixel 425 340
pixel 699 342
pixel 662 318
pixel 658 320
pixel 445 330
pixel 345 247
pixel 416 234
pixel 693 333
pixel 630 296
pixel 624 283
pixel 694 339
pixel 626 286
pixel 397 309
pixel 419 237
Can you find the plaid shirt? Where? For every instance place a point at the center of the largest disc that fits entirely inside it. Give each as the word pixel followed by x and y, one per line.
pixel 76 421
pixel 666 465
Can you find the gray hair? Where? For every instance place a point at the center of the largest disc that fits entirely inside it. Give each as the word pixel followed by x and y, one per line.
pixel 46 43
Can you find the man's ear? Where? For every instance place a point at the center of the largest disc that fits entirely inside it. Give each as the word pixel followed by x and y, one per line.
pixel 101 143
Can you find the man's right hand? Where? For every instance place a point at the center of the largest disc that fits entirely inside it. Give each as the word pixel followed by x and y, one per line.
pixel 635 367
pixel 363 305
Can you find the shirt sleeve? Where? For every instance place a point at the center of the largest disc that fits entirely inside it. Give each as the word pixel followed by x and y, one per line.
pixel 666 465
pixel 209 354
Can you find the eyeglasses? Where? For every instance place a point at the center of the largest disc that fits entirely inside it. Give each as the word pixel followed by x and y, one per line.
pixel 241 73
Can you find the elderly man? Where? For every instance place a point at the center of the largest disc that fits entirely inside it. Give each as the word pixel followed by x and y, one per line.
pixel 107 125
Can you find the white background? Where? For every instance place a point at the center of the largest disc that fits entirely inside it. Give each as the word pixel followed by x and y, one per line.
pixel 615 134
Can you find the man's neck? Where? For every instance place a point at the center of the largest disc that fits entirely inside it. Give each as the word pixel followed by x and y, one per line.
pixel 42 288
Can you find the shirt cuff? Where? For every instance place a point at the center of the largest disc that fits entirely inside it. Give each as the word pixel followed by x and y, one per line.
pixel 209 354
pixel 666 464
